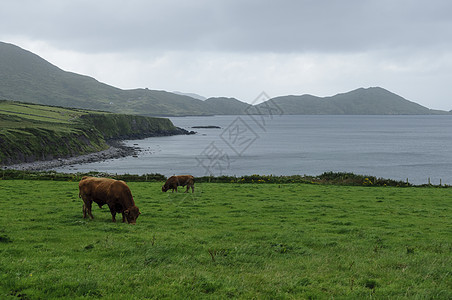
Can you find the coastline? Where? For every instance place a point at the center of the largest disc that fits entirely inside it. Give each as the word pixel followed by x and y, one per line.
pixel 117 149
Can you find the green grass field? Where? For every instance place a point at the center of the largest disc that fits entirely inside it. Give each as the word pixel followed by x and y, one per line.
pixel 35 112
pixel 261 241
pixel 16 116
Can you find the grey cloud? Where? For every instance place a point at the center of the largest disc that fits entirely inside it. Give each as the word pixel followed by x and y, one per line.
pixel 237 26
pixel 239 48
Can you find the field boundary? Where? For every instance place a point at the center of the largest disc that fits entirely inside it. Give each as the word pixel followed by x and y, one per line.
pixel 327 178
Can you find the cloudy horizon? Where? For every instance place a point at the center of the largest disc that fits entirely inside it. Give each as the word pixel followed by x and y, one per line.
pixel 242 48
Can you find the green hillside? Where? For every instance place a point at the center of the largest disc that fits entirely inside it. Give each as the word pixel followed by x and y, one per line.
pixel 27 77
pixel 30 132
pixel 227 106
pixel 370 101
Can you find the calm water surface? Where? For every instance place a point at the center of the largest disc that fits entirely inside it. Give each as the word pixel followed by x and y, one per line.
pixel 396 147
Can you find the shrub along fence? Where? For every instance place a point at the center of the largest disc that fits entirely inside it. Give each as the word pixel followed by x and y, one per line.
pixel 52 175
pixel 333 178
pixel 336 178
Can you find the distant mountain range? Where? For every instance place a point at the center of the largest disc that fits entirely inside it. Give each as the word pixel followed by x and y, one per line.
pixel 26 77
pixel 193 95
pixel 362 101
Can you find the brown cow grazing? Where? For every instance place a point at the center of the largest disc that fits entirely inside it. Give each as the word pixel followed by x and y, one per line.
pixel 115 193
pixel 181 180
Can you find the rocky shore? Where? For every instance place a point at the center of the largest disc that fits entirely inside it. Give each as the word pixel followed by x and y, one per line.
pixel 117 149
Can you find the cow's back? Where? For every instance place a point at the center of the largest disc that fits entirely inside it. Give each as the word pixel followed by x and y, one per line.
pixel 120 193
pixel 186 179
pixel 181 179
pixel 95 189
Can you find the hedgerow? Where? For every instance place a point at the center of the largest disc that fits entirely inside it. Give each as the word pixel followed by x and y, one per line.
pixel 331 178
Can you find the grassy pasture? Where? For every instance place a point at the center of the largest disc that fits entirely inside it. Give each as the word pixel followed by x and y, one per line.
pixel 16 116
pixel 230 240
pixel 36 112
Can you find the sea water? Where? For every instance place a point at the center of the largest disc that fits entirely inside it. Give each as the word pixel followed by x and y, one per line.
pixel 397 147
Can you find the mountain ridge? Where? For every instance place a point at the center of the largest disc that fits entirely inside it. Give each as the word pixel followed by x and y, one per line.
pixel 361 101
pixel 26 77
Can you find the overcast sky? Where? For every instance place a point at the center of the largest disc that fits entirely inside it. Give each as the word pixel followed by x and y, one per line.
pixel 242 48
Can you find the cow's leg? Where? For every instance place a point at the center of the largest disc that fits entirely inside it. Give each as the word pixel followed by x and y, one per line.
pixel 113 213
pixel 84 208
pixel 87 209
pixel 123 217
pixel 192 188
pixel 84 211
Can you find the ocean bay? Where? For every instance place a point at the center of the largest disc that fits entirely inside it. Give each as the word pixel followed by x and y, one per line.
pixel 397 147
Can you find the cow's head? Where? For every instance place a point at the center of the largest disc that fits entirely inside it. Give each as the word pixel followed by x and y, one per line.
pixel 165 187
pixel 132 214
